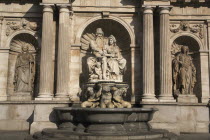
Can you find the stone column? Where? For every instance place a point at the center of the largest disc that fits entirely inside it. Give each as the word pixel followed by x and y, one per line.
pixel 46 66
pixel 63 54
pixel 1 22
pixel 148 56
pixel 132 74
pixel 165 58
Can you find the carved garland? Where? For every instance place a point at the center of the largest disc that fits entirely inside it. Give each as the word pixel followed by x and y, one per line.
pixel 185 26
pixel 23 24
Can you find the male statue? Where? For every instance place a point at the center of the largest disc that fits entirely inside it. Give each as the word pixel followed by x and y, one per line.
pixel 97 47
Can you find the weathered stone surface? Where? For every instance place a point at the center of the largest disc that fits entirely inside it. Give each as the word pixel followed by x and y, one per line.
pixel 148 74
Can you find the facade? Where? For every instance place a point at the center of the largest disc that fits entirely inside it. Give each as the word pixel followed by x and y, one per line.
pixel 44 46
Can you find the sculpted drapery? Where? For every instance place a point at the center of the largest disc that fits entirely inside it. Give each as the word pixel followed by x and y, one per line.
pixel 107 62
pixel 24 71
pixel 184 72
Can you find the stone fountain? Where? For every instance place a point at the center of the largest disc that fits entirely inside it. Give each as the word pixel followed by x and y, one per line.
pixel 105 114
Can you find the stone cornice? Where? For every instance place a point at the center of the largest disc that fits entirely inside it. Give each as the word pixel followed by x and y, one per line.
pixel 190 2
pixel 20 1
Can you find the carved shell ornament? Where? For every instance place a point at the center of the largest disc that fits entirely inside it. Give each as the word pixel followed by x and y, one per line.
pixel 185 26
pixel 22 39
pixel 23 24
pixel 85 40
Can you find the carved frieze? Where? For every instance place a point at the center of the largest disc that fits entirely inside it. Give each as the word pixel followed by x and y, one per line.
pixel 22 24
pixel 186 26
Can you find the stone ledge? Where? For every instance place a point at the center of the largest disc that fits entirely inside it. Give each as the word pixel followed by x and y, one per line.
pixel 77 103
pixel 36 102
pixel 174 104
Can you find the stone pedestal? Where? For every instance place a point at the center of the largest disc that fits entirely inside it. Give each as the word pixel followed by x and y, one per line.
pixel 148 56
pixel 46 74
pixel 21 96
pixel 187 99
pixel 165 58
pixel 63 55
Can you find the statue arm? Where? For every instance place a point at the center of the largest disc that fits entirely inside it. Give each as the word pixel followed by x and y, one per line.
pixel 193 72
pixel 115 97
pixel 118 53
pixel 98 94
pixel 31 58
pixel 17 65
pixel 175 69
pixel 94 46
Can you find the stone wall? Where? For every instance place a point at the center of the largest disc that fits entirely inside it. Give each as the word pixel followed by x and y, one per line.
pixel 181 117
pixel 28 116
pixel 126 19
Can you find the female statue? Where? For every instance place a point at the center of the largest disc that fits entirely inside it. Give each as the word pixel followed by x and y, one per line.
pixel 24 71
pixel 115 62
pixel 184 72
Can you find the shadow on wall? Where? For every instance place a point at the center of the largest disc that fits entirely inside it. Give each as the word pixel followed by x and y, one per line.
pixel 130 2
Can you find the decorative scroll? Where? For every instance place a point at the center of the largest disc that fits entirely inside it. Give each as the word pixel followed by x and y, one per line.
pixel 23 24
pixel 185 26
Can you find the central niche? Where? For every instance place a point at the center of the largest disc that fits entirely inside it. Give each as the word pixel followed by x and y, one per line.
pixel 109 28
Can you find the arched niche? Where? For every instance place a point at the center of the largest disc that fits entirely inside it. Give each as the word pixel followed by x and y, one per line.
pixel 109 27
pixel 113 18
pixel 195 46
pixel 15 47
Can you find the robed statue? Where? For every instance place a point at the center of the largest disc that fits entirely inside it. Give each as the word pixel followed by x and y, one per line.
pixel 184 72
pixel 106 62
pixel 24 71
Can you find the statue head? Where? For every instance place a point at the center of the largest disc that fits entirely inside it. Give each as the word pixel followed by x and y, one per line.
pixel 114 88
pixel 185 49
pixel 106 88
pixel 99 32
pixel 25 48
pixel 112 40
pixel 124 89
pixel 90 90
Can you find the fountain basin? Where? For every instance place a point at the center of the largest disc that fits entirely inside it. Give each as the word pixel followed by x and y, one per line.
pixel 105 120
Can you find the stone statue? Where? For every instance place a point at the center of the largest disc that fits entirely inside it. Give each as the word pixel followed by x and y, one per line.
pixel 105 88
pixel 118 94
pixel 184 72
pixel 97 47
pixel 116 63
pixel 93 98
pixel 107 62
pixel 106 96
pixel 24 71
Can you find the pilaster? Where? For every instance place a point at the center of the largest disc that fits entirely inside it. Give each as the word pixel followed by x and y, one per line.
pixel 4 57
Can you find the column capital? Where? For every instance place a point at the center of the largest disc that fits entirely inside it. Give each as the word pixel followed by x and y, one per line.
pixel 208 23
pixel 148 9
pixel 48 7
pixel 164 9
pixel 1 19
pixel 64 8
